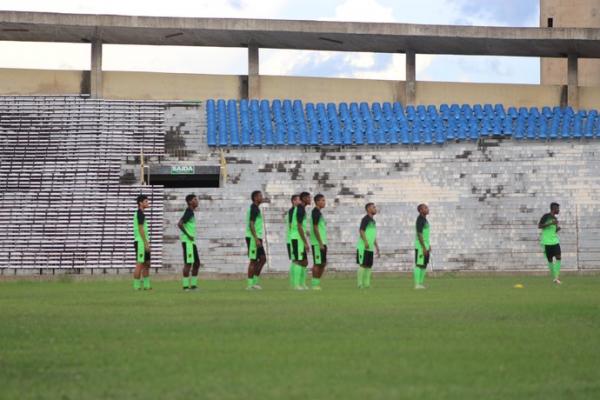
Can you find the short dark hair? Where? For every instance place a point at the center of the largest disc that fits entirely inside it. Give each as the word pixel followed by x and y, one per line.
pixel 254 194
pixel 304 194
pixel 554 204
pixel 318 197
pixel 368 205
pixel 420 206
pixel 141 198
pixel 190 197
pixel 294 197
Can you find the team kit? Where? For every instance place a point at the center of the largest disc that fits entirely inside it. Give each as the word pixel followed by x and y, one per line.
pixel 306 234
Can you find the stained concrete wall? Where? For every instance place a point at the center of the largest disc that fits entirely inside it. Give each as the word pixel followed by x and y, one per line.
pixel 485 198
pixel 570 14
pixel 164 86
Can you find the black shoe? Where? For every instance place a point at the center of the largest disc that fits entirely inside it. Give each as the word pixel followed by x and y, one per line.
pixel 185 289
pixel 194 288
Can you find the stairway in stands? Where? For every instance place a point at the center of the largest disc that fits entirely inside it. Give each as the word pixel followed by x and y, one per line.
pixel 61 203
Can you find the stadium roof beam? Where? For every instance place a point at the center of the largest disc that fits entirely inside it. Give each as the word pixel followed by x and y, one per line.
pixel 305 35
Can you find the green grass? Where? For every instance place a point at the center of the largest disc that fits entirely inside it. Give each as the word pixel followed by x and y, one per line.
pixel 463 338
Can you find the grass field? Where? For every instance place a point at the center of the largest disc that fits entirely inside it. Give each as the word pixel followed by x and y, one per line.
pixel 463 338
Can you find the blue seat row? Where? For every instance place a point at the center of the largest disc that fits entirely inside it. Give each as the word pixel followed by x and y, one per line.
pixel 291 123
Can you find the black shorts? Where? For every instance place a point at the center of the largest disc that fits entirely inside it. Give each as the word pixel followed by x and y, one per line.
pixel 364 258
pixel 254 251
pixel 421 259
pixel 141 255
pixel 190 254
pixel 552 251
pixel 319 256
pixel 298 250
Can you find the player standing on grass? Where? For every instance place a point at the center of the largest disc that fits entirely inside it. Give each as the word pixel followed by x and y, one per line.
pixel 422 246
pixel 299 243
pixel 191 260
pixel 364 248
pixel 549 240
pixel 288 218
pixel 254 241
pixel 141 244
pixel 318 241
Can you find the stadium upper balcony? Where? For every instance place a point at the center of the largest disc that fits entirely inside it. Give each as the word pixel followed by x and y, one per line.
pixel 235 123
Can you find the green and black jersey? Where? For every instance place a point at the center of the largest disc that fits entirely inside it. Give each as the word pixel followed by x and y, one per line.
pixel 298 218
pixel 288 224
pixel 318 220
pixel 189 226
pixel 368 225
pixel 139 218
pixel 254 215
pixel 422 227
pixel 548 236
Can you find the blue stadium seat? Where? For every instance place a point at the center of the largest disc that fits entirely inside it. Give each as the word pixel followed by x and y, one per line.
pixel 499 111
pixel 543 129
pixel 411 113
pixel 265 117
pixel 388 113
pixel 211 123
pixel 394 133
pixel 507 127
pixel 589 124
pixel 377 112
pixel 222 123
pixel 233 122
pixel 440 136
pixel 421 112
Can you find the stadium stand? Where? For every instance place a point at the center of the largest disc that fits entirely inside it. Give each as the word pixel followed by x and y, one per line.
pixel 61 201
pixel 291 123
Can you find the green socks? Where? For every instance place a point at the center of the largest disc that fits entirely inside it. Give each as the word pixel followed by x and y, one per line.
pixel 299 276
pixel 360 277
pixel 417 276
pixel 292 275
pixel 147 283
pixel 185 282
pixel 423 273
pixel 556 270
pixel 250 282
pixel 367 277
pixel 194 281
pixel 256 280
pixel 137 284
pixel 316 282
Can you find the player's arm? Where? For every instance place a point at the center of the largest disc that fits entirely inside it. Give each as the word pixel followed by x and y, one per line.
pixel 363 236
pixel 143 235
pixel 303 236
pixel 253 215
pixel 317 233
pixel 377 249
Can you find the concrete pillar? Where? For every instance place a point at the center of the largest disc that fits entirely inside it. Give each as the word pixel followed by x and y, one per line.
pixel 253 72
pixel 573 81
pixel 96 70
pixel 411 78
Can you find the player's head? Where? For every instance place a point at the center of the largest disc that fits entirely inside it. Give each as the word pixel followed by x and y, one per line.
pixel 143 202
pixel 257 197
pixel 295 200
pixel 305 198
pixel 554 208
pixel 423 209
pixel 319 201
pixel 370 208
pixel 191 200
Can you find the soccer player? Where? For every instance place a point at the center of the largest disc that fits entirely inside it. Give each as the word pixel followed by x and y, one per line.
pixel 288 217
pixel 549 240
pixel 141 244
pixel 318 241
pixel 422 246
pixel 191 260
pixel 299 242
pixel 254 241
pixel 367 241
